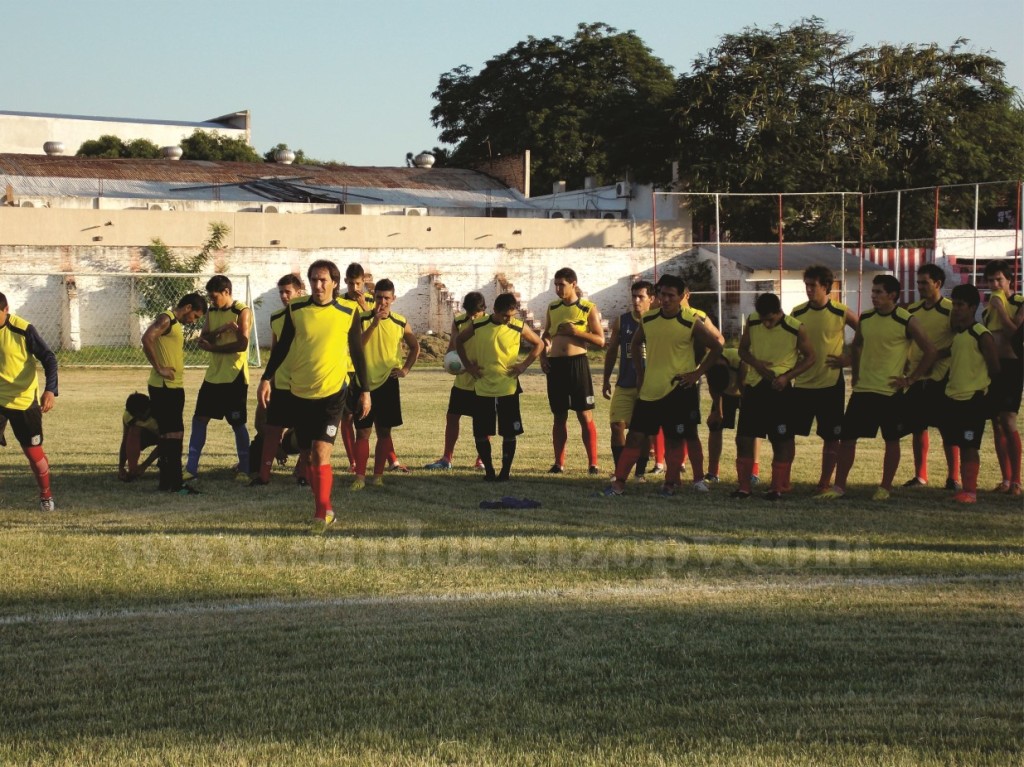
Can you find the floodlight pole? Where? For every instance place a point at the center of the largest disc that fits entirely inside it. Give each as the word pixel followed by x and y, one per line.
pixel 974 266
pixel 860 266
pixel 780 247
pixel 654 230
pixel 718 253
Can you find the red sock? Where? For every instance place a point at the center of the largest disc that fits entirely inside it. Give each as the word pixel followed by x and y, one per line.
pixel 683 459
pixel 348 439
pixel 673 460
pixel 953 462
pixel 381 453
pixel 590 442
pixel 744 466
pixel 890 463
pixel 921 444
pixel 627 460
pixel 1014 450
pixel 696 451
pixel 559 436
pixel 829 457
pixel 392 455
pixel 40 467
pixel 969 471
pixel 659 448
pixel 780 476
pixel 271 441
pixel 362 456
pixel 756 469
pixel 451 436
pixel 1002 452
pixel 321 483
pixel 847 455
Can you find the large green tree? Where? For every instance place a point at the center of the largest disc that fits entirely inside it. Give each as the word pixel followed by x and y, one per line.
pixel 113 147
pixel 595 104
pixel 202 145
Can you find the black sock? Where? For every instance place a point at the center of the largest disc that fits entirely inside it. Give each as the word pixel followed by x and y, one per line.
pixel 483 449
pixel 641 464
pixel 255 454
pixel 616 454
pixel 170 464
pixel 508 454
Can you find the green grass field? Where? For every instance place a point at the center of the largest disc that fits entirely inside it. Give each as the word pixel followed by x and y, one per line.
pixel 421 630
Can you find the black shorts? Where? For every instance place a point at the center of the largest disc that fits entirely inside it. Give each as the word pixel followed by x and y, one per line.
pixel 503 409
pixel 462 402
pixel 730 406
pixel 1005 392
pixel 822 405
pixel 385 407
pixel 147 438
pixel 570 385
pixel 318 419
pixel 677 413
pixel 923 403
pixel 224 400
pixel 868 412
pixel 168 408
pixel 766 412
pixel 26 424
pixel 963 421
pixel 281 411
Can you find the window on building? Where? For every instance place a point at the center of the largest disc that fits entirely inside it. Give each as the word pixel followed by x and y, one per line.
pixel 732 292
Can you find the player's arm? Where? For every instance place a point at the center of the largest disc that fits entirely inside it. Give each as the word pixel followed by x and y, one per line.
pixel 748 357
pixel 989 351
pixel 714 352
pixel 839 361
pixel 242 329
pixel 919 337
pixel 595 331
pixel 157 328
pixel 39 349
pixel 371 322
pixel 122 455
pixel 453 334
pixel 358 356
pixel 531 338
pixel 611 354
pixel 714 331
pixel 277 356
pixel 806 350
pixel 460 346
pixel 998 306
pixel 545 342
pixel 414 352
pixel 636 352
pixel 855 351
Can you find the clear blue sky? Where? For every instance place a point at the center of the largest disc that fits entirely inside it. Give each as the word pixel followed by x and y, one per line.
pixel 351 81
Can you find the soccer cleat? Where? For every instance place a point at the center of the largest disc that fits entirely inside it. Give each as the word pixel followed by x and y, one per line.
pixel 399 467
pixel 489 475
pixel 242 478
pixel 755 480
pixel 667 490
pixel 377 480
pixel 47 505
pixel 301 481
pixel 187 490
pixel 351 468
pixel 739 494
pixel 320 525
pixel 503 476
pixel 190 478
pixel 832 494
pixel 965 497
pixel 357 484
pixel 1002 487
pixel 701 486
pixel 773 495
pixel 820 490
pixel 952 484
pixel 711 479
pixel 257 482
pixel 881 494
pixel 682 467
pixel 593 470
pixel 641 478
pixel 556 468
pixel 479 464
pixel 915 482
pixel 1015 490
pixel 611 492
pixel 658 469
pixel 439 465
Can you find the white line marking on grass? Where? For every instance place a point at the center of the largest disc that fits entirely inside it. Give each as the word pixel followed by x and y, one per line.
pixel 642 589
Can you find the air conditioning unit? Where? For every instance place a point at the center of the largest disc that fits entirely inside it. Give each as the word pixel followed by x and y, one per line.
pixel 27 203
pixel 498 212
pixel 623 189
pixel 352 209
pixel 271 209
pixel 613 214
pixel 558 214
pixel 158 206
pixel 414 211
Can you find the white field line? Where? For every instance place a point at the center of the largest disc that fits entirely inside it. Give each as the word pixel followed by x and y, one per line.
pixel 649 589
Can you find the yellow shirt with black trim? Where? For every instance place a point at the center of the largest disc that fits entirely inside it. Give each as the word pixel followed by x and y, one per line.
pixel 146 424
pixel 731 355
pixel 170 353
pixel 371 303
pixel 496 350
pixel 884 354
pixel 18 382
pixel 934 322
pixel 464 380
pixel 968 372
pixel 578 313
pixel 775 346
pixel 282 377
pixel 992 320
pixel 826 329
pixel 383 349
pixel 320 363
pixel 224 368
pixel 670 351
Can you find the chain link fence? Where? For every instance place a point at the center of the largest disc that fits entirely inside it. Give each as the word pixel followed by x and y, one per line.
pixel 99 319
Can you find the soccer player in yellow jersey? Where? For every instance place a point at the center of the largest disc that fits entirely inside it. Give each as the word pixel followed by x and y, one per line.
pixel 139 431
pixel 20 342
pixel 462 399
pixel 273 420
pixel 383 333
pixel 319 336
pixel 820 393
pixel 164 346
pixel 974 362
pixel 355 279
pixel 1004 316
pixel 489 349
pixel 571 323
pixel 777 351
pixel 879 377
pixel 668 398
pixel 225 387
pixel 923 401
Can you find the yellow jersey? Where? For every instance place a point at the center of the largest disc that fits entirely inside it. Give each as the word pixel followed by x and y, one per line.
pixel 170 353
pixel 670 352
pixel 282 378
pixel 20 344
pixel 464 380
pixel 578 313
pixel 224 368
pixel 383 350
pixel 884 354
pixel 826 329
pixel 146 424
pixel 496 351
pixel 968 372
pixel 934 322
pixel 320 364
pixel 776 346
pixel 1012 303
pixel 731 355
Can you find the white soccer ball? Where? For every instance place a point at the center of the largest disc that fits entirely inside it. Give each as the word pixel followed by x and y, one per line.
pixel 452 363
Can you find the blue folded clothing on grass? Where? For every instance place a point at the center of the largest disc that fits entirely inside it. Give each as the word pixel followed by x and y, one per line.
pixel 509 502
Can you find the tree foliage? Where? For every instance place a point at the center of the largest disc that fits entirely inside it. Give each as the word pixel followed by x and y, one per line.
pixel 595 104
pixel 113 147
pixel 202 145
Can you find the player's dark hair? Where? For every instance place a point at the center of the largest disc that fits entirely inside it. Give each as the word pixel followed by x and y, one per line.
pixel 820 274
pixel 3 302
pixel 474 302
pixel 332 270
pixel 767 304
pixel 353 270
pixel 642 285
pixel 504 302
pixel 291 279
pixel 968 294
pixel 384 286
pixel 137 405
pixel 889 283
pixel 567 274
pixel 998 267
pixel 218 283
pixel 672 281
pixel 932 272
pixel 196 300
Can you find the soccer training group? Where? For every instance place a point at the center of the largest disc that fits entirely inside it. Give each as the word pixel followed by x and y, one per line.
pixel 337 359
